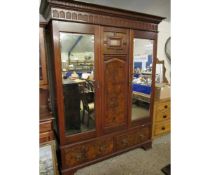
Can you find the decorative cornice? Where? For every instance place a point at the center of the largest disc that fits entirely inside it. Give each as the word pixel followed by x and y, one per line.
pixel 76 16
pixel 96 14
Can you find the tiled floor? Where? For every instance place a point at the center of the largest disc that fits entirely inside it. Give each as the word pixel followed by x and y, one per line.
pixel 135 162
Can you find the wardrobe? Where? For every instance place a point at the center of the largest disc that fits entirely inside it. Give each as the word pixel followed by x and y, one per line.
pixel 101 72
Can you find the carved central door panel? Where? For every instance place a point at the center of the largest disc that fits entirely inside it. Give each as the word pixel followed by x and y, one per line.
pixel 115 78
pixel 115 82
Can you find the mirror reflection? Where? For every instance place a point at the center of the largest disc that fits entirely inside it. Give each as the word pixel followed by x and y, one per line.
pixel 142 78
pixel 159 73
pixel 77 57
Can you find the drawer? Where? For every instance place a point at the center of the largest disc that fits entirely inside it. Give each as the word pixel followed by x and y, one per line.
pixel 46 136
pixel 164 106
pixel 45 126
pixel 162 116
pixel 132 138
pixel 85 152
pixel 162 128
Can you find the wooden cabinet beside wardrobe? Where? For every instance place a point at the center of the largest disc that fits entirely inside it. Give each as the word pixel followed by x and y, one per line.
pixel 94 66
pixel 45 117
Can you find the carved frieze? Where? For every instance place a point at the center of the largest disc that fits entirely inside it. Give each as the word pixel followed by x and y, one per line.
pixel 83 17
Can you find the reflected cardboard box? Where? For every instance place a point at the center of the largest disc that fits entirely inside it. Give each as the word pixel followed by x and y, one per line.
pixel 162 91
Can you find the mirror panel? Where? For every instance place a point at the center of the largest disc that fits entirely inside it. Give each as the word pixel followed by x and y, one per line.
pixel 142 78
pixel 159 73
pixel 77 58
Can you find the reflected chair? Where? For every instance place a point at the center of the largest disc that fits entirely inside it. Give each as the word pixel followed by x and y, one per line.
pixel 87 98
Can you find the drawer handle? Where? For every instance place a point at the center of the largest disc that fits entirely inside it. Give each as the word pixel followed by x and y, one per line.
pixel 166 106
pixel 164 116
pixel 163 128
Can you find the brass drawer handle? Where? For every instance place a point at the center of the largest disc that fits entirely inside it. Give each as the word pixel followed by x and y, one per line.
pixel 163 128
pixel 165 106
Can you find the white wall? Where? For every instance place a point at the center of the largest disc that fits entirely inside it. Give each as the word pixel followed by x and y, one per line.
pixel 154 7
pixel 164 32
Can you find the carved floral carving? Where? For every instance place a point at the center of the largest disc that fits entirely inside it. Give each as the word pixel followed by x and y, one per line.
pixel 115 89
pixel 88 151
pixel 132 138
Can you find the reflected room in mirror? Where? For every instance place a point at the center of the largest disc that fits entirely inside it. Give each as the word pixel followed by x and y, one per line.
pixel 77 57
pixel 160 76
pixel 142 78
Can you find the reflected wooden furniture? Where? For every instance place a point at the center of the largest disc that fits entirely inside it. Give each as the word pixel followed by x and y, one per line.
pixel 87 98
pixel 72 105
pixel 46 129
pixel 114 31
pixel 141 96
pixel 45 117
pixel 161 117
pixel 164 70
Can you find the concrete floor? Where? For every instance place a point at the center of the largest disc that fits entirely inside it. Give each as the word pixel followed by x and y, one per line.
pixel 135 162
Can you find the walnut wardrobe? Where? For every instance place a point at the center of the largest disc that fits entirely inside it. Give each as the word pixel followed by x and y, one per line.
pixel 101 78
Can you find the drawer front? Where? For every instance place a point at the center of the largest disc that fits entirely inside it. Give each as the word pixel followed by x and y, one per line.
pixel 45 126
pixel 79 154
pixel 162 128
pixel 162 116
pixel 46 136
pixel 132 138
pixel 164 106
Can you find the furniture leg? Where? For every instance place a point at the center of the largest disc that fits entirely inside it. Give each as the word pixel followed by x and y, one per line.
pixel 147 146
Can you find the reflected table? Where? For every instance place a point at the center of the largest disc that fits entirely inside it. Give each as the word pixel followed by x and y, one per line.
pixel 141 97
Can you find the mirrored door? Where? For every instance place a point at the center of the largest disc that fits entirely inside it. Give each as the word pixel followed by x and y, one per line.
pixel 141 78
pixel 78 80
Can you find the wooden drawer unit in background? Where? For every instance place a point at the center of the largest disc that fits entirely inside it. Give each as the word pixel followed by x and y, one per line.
pixel 161 117
pixel 46 130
